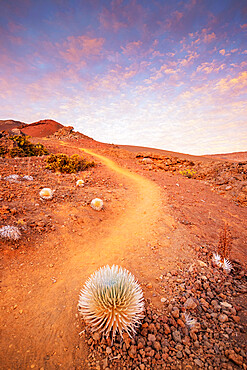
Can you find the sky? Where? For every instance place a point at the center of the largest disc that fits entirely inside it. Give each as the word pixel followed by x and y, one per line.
pixel 167 74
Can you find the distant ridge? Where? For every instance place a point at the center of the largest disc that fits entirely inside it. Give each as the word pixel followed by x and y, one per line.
pixel 9 124
pixel 40 128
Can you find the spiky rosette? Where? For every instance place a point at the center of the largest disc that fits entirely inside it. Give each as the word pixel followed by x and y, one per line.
pixel 10 232
pixel 97 204
pixel 112 300
pixel 46 193
pixel 216 259
pixel 189 321
pixel 80 182
pixel 227 266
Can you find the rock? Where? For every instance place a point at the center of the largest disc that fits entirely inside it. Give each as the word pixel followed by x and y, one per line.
pixel 204 302
pixel 157 345
pixel 96 336
pixel 108 350
pixel 176 336
pixel 151 337
pixel 147 161
pixel 237 359
pixel 167 329
pixel 175 313
pixel 179 355
pixel 181 323
pixel 132 351
pixel 223 318
pixel 198 362
pixel 226 305
pixel 190 304
pixel 236 319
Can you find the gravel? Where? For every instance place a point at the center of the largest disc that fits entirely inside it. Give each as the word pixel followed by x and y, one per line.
pixel 201 326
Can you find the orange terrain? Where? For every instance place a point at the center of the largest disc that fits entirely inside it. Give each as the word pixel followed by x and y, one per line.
pixel 141 228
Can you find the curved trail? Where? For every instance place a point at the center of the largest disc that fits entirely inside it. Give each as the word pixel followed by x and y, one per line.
pixel 44 332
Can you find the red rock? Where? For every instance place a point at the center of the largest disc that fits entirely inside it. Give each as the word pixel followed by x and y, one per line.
pixel 236 319
pixel 237 359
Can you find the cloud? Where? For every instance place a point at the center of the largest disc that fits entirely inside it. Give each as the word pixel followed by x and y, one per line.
pixel 78 49
pixel 236 85
pixel 132 48
pixel 222 51
pixel 243 26
pixel 212 67
pixel 188 60
pixel 121 15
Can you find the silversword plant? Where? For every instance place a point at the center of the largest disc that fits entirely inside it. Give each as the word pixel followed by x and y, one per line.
pixel 10 232
pixel 46 193
pixel 112 301
pixel 79 182
pixel 97 204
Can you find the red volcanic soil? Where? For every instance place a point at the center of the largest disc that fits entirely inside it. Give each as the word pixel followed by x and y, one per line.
pixel 42 128
pixel 157 223
pixel 7 125
pixel 234 157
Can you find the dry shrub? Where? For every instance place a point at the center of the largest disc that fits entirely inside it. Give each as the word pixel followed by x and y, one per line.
pixel 225 242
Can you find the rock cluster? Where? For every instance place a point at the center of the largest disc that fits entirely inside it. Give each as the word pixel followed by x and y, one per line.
pixel 199 327
pixel 225 177
pixel 67 132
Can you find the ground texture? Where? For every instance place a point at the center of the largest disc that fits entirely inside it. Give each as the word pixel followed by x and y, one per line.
pixel 157 223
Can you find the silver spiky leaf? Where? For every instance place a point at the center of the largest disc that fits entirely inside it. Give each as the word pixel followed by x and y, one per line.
pixel 227 266
pixel 10 232
pixel 216 259
pixel 189 321
pixel 112 300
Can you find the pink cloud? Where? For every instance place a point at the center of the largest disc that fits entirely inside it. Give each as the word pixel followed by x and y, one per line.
pixel 236 85
pixel 121 15
pixel 189 59
pixel 222 51
pixel 15 27
pixel 77 49
pixel 243 26
pixel 132 48
pixel 209 67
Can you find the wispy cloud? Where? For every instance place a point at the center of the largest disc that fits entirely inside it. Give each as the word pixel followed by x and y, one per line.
pixel 148 73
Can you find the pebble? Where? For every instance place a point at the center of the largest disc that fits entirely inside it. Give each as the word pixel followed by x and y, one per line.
pixel 190 304
pixel 223 318
pixel 165 341
pixel 176 336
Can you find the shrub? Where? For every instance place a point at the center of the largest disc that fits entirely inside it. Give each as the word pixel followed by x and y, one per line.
pixel 188 173
pixel 25 148
pixel 65 164
pixel 225 242
pixel 111 301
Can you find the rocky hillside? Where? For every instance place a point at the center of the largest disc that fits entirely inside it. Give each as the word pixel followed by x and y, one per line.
pixel 229 178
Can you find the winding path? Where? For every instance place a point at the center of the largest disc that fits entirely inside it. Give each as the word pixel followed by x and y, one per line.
pixel 41 332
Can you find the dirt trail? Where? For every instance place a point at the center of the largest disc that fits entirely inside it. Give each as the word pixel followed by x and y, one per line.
pixel 39 324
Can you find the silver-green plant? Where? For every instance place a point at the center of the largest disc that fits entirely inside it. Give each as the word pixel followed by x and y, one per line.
pixel 10 232
pixel 112 301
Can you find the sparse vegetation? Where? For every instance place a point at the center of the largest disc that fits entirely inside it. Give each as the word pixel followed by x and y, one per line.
pixel 46 193
pixel 188 173
pixel 64 164
pixel 21 147
pixel 221 257
pixel 97 204
pixel 112 301
pixel 10 232
pixel 225 242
